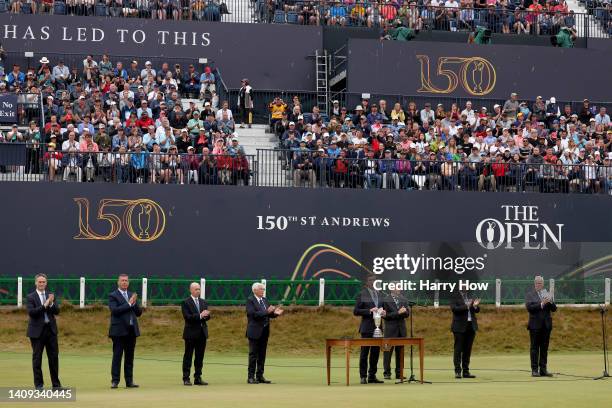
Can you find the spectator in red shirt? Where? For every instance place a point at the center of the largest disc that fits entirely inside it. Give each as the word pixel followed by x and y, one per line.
pixel 145 121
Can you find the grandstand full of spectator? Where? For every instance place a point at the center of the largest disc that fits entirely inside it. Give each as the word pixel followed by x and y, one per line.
pixel 105 121
pixel 543 146
pixel 544 17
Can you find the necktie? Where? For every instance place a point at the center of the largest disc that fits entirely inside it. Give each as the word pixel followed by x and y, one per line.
pixel 197 305
pixel 465 299
pixel 125 295
pixel 44 299
pixel 374 296
pixel 395 300
pixel 261 302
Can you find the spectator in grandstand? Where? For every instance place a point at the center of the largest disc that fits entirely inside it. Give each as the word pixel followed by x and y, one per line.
pixel 245 103
pixel 207 84
pixel 277 109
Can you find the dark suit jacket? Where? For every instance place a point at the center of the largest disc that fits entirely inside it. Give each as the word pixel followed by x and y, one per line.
pixel 363 304
pixel 395 323
pixel 539 318
pixel 36 310
pixel 257 317
pixel 195 327
pixel 120 315
pixel 460 315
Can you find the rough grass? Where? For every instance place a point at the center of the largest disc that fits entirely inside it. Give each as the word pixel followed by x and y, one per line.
pixel 302 330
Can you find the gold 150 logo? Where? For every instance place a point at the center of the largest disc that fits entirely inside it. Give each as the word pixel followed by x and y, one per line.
pixel 476 74
pixel 143 219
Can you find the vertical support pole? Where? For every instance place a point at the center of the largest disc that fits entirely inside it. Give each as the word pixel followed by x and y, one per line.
pixel 144 292
pixel 202 288
pixel 20 292
pixel 437 295
pixel 82 293
pixel 551 288
pixel 498 293
pixel 321 292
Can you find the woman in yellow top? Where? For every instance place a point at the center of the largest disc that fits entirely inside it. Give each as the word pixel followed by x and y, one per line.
pixel 398 113
pixel 277 108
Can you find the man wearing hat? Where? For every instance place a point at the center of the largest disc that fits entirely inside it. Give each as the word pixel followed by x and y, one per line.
pixel 207 83
pixel 245 103
pixel 511 106
pixel 358 113
pixel 148 69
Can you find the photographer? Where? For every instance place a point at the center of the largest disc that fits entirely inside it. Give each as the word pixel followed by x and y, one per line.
pixel 277 108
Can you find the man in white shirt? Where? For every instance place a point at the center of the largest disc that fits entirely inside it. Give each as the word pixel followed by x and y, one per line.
pixel 147 70
pixel 469 113
pixel 123 330
pixel 42 331
pixel 224 109
pixel 196 314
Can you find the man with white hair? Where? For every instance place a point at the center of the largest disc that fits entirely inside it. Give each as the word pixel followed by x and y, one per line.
pixel 196 314
pixel 540 304
pixel 259 312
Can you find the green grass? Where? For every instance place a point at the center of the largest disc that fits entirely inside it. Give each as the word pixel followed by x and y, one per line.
pixel 301 331
pixel 502 381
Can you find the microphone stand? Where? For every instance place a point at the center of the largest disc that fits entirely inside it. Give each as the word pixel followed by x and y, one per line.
pixel 604 311
pixel 412 378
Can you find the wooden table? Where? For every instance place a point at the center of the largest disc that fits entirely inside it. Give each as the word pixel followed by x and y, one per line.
pixel 383 343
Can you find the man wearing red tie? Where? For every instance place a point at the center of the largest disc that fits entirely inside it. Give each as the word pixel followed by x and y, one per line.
pixel 259 312
pixel 196 314
pixel 123 331
pixel 42 331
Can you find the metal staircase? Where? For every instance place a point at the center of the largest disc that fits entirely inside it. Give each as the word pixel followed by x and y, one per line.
pixel 322 66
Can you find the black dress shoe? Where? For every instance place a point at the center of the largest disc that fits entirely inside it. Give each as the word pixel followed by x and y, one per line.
pixel 387 376
pixel 364 380
pixel 131 385
pixel 534 373
pixel 262 380
pixel 252 381
pixel 468 375
pixel 375 380
pixel 114 385
pixel 458 375
pixel 39 387
pixel 198 381
pixel 187 382
pixel 545 374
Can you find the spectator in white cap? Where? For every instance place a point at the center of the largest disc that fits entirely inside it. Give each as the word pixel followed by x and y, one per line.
pixel 335 111
pixel 148 70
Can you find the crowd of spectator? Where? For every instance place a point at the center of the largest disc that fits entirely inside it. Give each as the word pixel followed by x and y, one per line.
pixel 197 10
pixel 500 16
pixel 546 146
pixel 104 120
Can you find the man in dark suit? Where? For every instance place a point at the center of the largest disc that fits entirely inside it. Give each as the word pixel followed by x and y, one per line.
pixel 42 331
pixel 368 301
pixel 464 328
pixel 396 308
pixel 196 314
pixel 259 312
pixel 123 331
pixel 540 305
